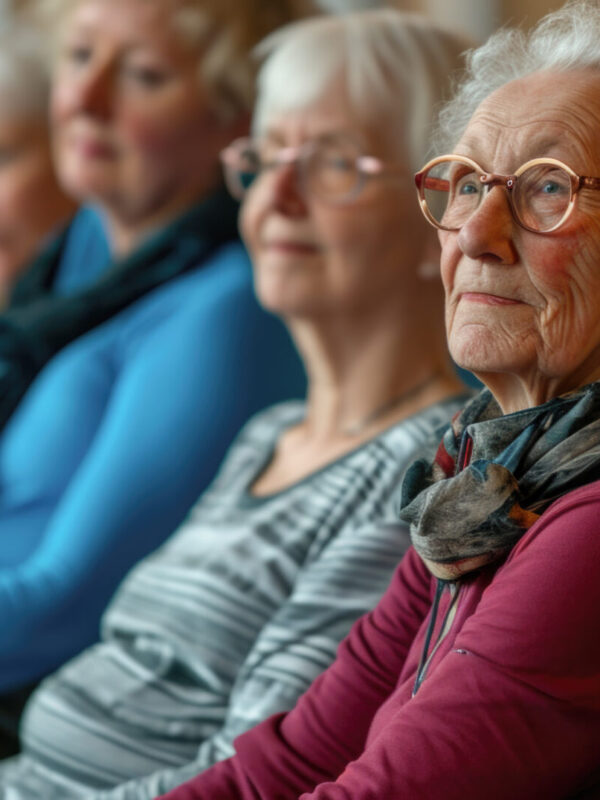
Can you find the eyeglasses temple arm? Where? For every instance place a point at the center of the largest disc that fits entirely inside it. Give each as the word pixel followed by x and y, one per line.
pixel 586 182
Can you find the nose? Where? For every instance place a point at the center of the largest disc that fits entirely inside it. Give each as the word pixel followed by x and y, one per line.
pixel 94 93
pixel 288 195
pixel 488 233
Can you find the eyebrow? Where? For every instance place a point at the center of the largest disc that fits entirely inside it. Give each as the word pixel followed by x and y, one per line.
pixel 272 132
pixel 536 148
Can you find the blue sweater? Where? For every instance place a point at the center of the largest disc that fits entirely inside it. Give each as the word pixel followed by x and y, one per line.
pixel 114 441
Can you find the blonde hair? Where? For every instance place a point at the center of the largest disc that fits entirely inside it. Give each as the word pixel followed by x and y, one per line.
pixel 224 32
pixel 396 65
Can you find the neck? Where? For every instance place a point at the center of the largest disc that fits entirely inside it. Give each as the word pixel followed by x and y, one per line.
pixel 363 376
pixel 127 229
pixel 515 392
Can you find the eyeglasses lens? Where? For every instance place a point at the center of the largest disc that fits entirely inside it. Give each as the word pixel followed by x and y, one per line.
pixel 452 191
pixel 541 196
pixel 331 170
pixel 242 165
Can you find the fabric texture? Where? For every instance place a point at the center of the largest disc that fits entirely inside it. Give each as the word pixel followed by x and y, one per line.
pixel 230 621
pixel 39 322
pixel 509 708
pixel 114 442
pixel 493 476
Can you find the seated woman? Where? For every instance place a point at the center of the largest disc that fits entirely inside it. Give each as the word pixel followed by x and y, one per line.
pixel 32 204
pixel 169 350
pixel 478 674
pixel 235 616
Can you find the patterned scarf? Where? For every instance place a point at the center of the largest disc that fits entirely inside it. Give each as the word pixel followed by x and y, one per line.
pixel 493 476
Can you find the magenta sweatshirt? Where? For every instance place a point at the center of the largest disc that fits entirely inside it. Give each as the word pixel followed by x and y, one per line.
pixel 508 704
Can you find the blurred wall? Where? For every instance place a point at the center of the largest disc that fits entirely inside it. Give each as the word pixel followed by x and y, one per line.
pixel 478 18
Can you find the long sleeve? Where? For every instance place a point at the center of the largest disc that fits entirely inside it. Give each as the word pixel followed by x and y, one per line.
pixel 155 415
pixel 511 712
pixel 339 582
pixel 329 725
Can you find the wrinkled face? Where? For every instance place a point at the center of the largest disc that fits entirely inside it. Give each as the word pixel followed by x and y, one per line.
pixel 133 127
pixel 520 303
pixel 31 202
pixel 313 257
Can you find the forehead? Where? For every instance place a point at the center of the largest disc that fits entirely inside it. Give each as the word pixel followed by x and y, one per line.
pixel 126 22
pixel 545 114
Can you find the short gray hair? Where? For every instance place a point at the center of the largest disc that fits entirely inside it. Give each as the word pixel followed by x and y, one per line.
pixel 24 82
pixel 396 65
pixel 564 40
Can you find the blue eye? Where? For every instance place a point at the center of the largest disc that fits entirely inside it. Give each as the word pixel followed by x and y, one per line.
pixel 550 187
pixel 468 188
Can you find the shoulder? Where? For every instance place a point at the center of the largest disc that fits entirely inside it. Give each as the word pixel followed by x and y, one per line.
pixel 570 523
pixel 542 607
pixel 224 274
pixel 215 295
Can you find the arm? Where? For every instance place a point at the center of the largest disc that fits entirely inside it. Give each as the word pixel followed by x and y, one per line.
pixel 296 644
pixel 178 399
pixel 332 719
pixel 516 716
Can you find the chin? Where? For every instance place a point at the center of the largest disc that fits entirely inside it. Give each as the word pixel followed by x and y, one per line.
pixel 480 352
pixel 284 296
pixel 285 306
pixel 85 183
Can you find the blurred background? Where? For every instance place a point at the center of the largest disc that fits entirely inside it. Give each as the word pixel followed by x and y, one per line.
pixel 475 17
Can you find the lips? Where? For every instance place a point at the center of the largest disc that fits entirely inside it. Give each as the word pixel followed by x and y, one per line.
pixel 91 146
pixel 290 246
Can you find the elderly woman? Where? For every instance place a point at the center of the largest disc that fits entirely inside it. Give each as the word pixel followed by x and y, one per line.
pixel 233 618
pixel 32 204
pixel 164 351
pixel 478 674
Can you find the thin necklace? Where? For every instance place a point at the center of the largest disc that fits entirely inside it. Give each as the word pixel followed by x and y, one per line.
pixel 358 427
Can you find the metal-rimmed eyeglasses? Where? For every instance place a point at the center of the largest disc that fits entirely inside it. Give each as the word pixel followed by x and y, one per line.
pixel 331 168
pixel 541 193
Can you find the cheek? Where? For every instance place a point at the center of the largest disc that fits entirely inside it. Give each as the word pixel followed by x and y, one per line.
pixel 145 135
pixel 565 273
pixel 166 133
pixel 62 101
pixel 449 258
pixel 19 195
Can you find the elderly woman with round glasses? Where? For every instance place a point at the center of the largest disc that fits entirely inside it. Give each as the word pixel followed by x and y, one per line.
pixel 478 674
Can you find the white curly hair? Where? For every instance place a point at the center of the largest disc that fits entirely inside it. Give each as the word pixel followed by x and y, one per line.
pixel 564 40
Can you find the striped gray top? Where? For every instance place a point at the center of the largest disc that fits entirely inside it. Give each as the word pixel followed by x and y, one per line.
pixel 228 622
